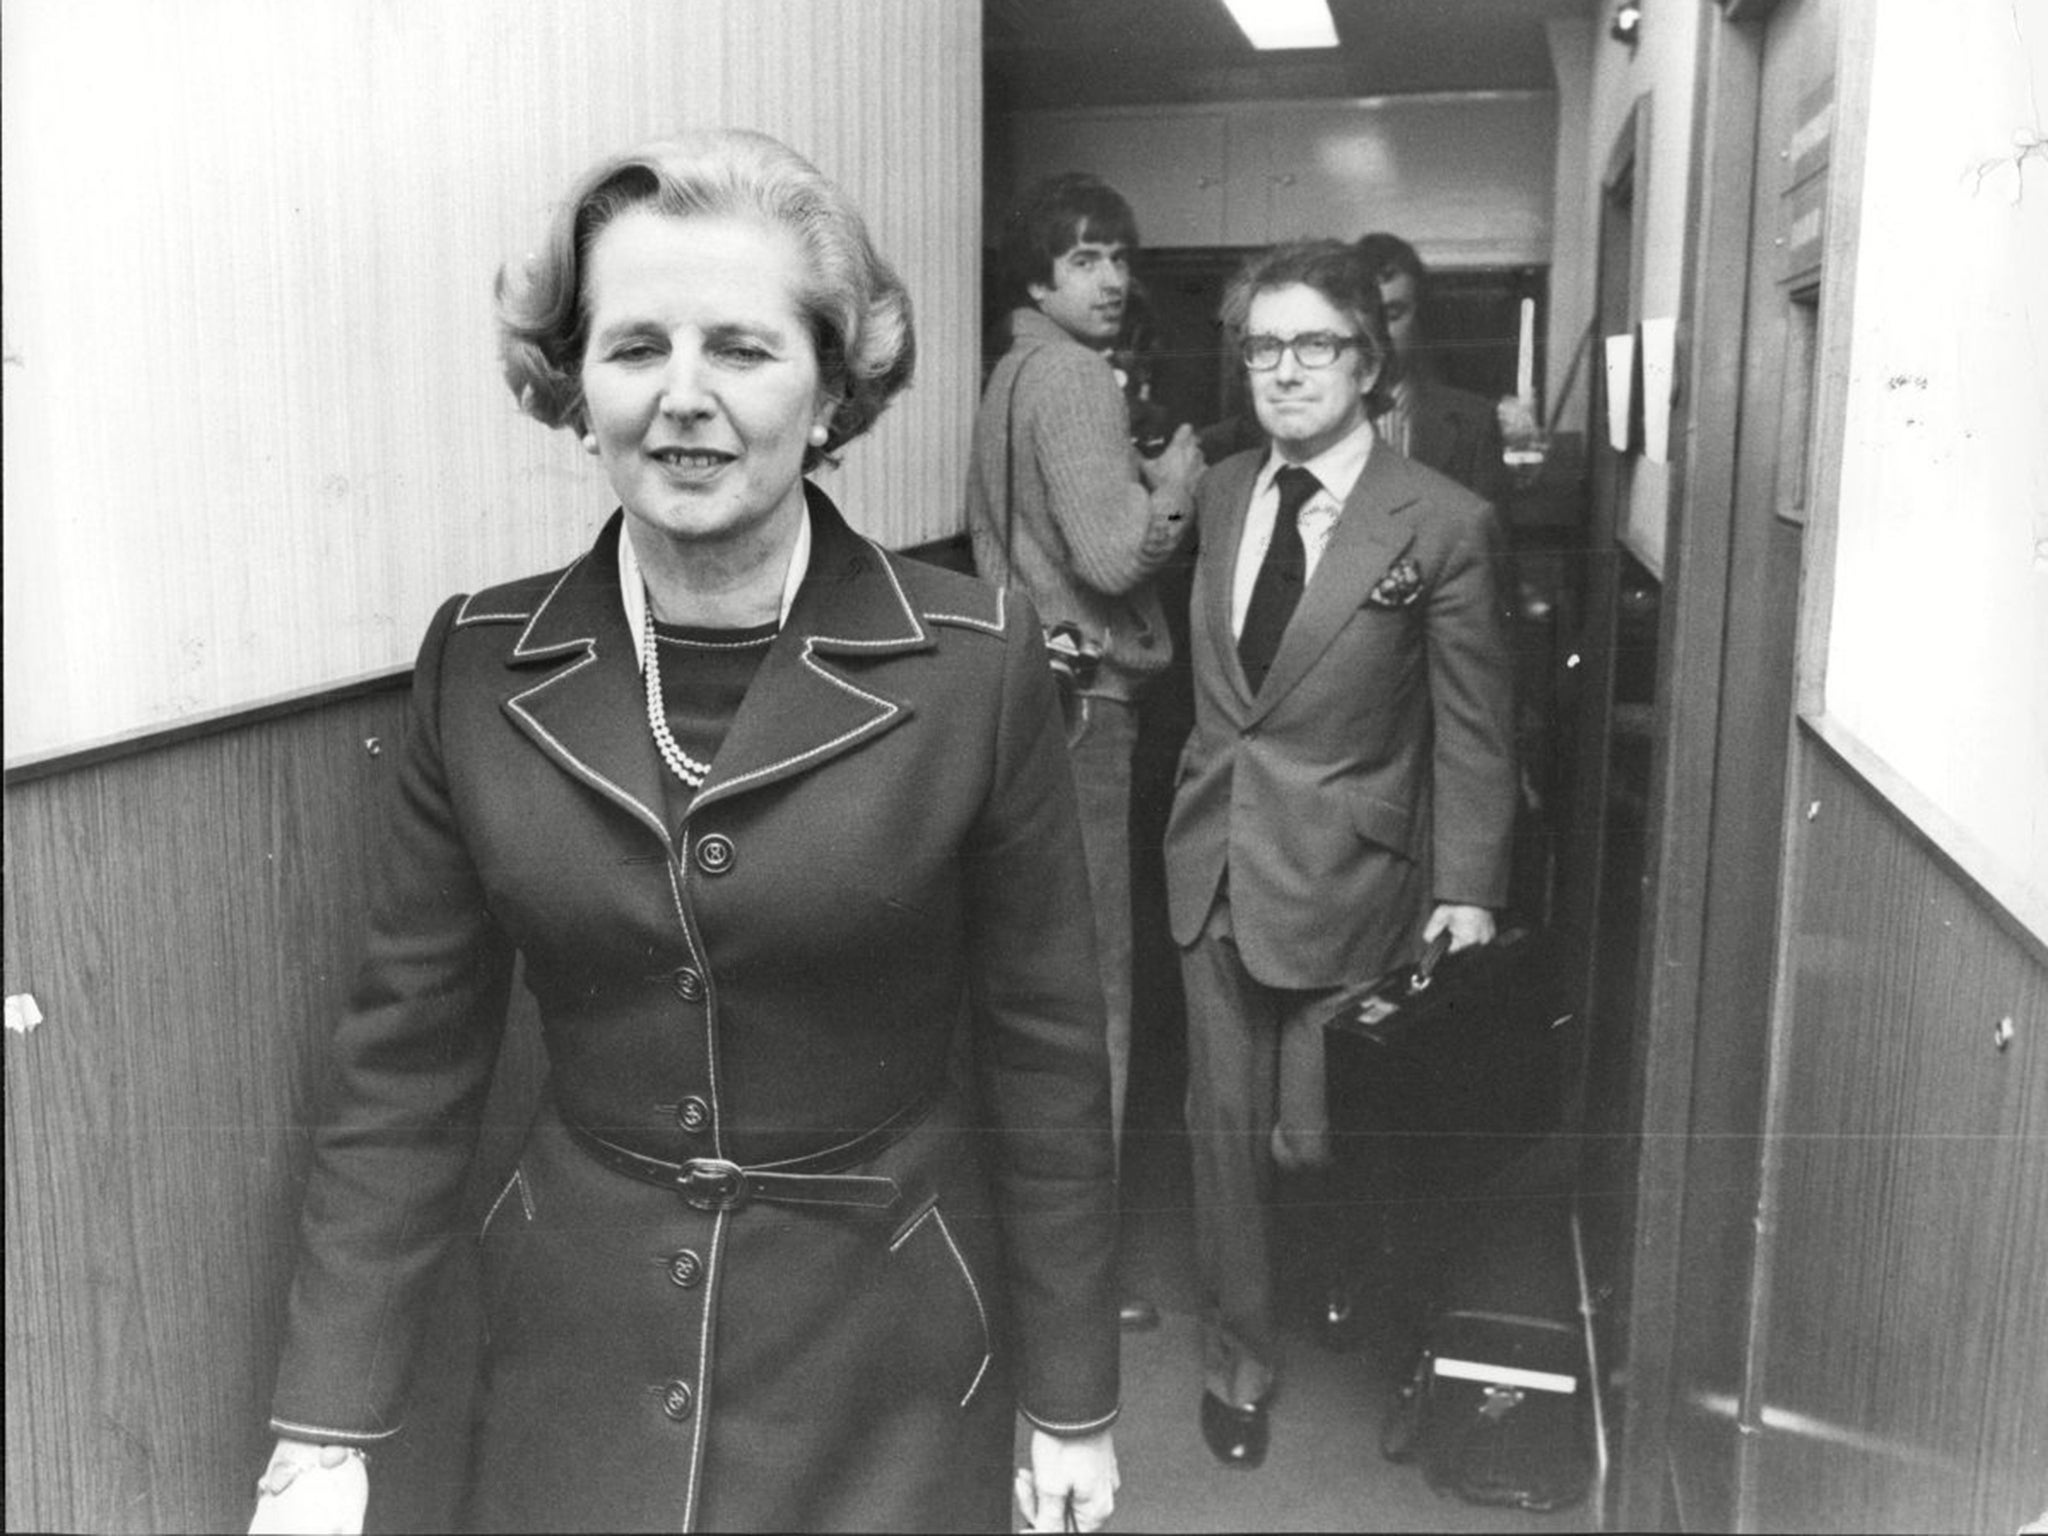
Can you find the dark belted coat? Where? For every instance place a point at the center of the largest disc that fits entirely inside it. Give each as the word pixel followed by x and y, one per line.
pixel 875 910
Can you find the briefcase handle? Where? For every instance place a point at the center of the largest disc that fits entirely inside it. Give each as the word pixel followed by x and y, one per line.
pixel 1425 968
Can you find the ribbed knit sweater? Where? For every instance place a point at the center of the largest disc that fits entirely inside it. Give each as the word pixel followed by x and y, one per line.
pixel 1085 536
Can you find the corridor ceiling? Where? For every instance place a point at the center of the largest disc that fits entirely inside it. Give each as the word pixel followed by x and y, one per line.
pixel 1096 53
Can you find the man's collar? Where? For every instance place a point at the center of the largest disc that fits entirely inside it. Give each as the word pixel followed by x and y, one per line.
pixel 1028 324
pixel 1336 468
pixel 633 587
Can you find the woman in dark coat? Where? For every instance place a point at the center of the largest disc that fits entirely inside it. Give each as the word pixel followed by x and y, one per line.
pixel 782 828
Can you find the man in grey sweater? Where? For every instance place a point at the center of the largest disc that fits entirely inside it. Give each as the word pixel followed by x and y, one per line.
pixel 1060 504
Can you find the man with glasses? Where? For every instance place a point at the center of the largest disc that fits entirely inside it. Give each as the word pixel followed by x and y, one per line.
pixel 1349 788
pixel 1453 431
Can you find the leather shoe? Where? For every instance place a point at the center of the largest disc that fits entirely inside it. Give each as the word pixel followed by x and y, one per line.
pixel 1237 1436
pixel 1137 1315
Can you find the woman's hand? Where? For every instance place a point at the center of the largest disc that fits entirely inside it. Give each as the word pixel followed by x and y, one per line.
pixel 1077 1472
pixel 311 1490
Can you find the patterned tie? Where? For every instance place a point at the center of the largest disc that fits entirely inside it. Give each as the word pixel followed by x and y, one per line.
pixel 1281 576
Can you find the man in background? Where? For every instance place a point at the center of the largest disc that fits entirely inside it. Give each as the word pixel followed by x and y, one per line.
pixel 1453 431
pixel 1060 504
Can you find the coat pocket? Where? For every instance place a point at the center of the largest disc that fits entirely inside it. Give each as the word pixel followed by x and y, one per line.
pixel 1388 823
pixel 953 1315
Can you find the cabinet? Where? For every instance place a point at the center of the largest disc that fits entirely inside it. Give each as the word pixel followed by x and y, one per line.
pixel 1467 179
pixel 1170 165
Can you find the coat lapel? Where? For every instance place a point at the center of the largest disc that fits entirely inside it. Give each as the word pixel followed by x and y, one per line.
pixel 586 710
pixel 1235 498
pixel 803 709
pixel 1368 538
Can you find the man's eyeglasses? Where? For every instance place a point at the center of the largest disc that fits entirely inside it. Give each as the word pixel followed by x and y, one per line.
pixel 1311 349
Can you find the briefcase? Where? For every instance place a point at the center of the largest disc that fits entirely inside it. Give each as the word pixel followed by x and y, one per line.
pixel 1497 1412
pixel 1452 1067
pixel 1498 1408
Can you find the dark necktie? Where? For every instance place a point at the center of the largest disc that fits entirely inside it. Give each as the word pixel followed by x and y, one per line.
pixel 1282 575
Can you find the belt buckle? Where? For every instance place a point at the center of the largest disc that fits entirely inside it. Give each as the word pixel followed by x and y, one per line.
pixel 713 1184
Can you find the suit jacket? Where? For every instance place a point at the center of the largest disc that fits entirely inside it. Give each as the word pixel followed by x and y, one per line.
pixel 881 878
pixel 1373 772
pixel 1456 433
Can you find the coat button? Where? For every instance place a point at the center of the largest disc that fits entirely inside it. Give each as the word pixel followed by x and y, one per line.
pixel 715 853
pixel 677 1401
pixel 688 984
pixel 686 1269
pixel 693 1114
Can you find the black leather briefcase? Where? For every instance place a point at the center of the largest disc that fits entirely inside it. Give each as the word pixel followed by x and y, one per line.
pixel 1452 1067
pixel 1498 1409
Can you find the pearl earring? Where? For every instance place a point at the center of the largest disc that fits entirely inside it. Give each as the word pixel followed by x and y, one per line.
pixel 590 442
pixel 818 435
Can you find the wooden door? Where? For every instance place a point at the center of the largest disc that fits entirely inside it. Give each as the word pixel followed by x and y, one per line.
pixel 1786 66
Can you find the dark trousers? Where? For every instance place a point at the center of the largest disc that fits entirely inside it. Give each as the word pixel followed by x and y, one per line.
pixel 1255 1068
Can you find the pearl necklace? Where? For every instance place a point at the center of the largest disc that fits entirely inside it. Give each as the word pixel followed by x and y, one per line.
pixel 680 763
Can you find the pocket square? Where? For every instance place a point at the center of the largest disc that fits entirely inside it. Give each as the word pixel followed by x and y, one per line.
pixel 1398 588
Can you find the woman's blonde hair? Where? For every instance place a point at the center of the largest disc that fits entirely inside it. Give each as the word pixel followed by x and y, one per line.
pixel 857 307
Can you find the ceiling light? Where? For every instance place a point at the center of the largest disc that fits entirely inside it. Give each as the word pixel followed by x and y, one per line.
pixel 1284 23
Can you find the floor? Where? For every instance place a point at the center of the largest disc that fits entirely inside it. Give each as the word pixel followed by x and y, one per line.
pixel 1324 1471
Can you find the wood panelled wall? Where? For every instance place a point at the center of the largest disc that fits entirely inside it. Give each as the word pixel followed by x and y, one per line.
pixel 1901 1378
pixel 188 921
pixel 254 424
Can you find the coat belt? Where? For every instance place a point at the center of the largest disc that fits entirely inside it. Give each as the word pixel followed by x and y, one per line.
pixel 714 1184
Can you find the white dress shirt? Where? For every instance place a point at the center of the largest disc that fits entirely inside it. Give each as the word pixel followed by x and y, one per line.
pixel 1336 469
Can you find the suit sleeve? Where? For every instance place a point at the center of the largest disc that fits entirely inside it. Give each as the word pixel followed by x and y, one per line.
pixel 1041 1053
pixel 409 1066
pixel 1471 684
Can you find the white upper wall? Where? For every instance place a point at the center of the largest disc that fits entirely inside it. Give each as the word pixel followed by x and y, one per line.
pixel 1937 652
pixel 254 427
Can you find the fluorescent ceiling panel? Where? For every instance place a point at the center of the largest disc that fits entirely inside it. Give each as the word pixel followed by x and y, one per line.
pixel 1284 23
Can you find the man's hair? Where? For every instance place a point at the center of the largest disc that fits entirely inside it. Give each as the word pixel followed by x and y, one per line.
pixel 1334 270
pixel 1388 256
pixel 1053 217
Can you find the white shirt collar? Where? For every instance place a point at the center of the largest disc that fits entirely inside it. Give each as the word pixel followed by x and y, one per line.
pixel 1336 468
pixel 633 588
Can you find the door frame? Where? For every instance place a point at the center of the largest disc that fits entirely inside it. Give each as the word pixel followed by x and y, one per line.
pixel 1693 630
